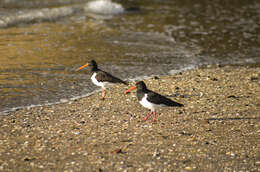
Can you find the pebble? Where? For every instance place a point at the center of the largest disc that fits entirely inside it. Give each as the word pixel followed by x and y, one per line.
pixel 64 138
pixel 188 168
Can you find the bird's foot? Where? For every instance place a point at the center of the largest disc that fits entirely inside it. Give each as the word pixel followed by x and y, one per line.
pixel 147 116
pixel 103 95
pixel 154 117
pixel 144 119
pixel 153 120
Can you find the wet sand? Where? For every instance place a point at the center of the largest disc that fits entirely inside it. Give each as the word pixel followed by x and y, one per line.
pixel 216 130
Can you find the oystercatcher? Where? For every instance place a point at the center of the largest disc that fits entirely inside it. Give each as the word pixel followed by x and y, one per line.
pixel 151 100
pixel 101 78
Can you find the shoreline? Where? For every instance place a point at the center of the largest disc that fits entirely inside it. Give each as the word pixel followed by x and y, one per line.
pixel 69 100
pixel 215 130
pixel 171 73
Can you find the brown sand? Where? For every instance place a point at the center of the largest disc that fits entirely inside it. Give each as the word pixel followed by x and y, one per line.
pixel 217 129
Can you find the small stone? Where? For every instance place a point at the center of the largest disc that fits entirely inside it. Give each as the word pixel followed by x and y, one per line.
pixel 26 159
pixel 76 132
pixel 156 77
pixel 41 166
pixel 188 168
pixel 117 151
pixel 254 78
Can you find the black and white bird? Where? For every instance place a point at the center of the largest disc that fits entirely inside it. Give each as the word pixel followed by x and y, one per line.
pixel 100 77
pixel 151 100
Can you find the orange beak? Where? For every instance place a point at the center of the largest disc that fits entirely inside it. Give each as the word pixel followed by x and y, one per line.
pixel 130 89
pixel 82 67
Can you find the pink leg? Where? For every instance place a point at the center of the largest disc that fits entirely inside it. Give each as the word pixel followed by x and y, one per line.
pixel 154 117
pixel 147 116
pixel 103 94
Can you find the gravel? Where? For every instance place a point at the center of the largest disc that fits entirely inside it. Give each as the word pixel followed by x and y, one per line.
pixel 216 130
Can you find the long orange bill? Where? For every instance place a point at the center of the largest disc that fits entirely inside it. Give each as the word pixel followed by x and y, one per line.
pixel 130 89
pixel 82 67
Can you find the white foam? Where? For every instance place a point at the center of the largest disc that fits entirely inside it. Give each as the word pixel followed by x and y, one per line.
pixel 174 71
pixel 171 72
pixel 104 7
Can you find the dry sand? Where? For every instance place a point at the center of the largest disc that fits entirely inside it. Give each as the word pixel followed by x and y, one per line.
pixel 217 129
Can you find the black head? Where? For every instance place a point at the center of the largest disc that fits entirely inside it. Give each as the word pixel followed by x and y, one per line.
pixel 140 85
pixel 93 65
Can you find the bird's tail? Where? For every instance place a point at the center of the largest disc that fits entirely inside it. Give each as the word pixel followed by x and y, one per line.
pixel 177 104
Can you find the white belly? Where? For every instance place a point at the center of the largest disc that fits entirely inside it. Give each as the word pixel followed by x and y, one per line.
pixel 145 103
pixel 94 80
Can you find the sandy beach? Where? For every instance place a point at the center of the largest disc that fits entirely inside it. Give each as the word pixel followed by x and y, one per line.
pixel 216 130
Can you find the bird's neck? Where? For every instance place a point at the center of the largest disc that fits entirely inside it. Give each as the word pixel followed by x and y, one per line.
pixel 95 69
pixel 143 90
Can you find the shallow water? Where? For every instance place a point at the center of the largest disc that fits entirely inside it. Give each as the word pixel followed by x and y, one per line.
pixel 38 59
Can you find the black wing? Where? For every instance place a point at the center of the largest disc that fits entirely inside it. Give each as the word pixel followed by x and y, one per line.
pixel 159 99
pixel 106 77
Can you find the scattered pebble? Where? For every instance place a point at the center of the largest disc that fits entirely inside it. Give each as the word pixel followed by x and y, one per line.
pixel 109 135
